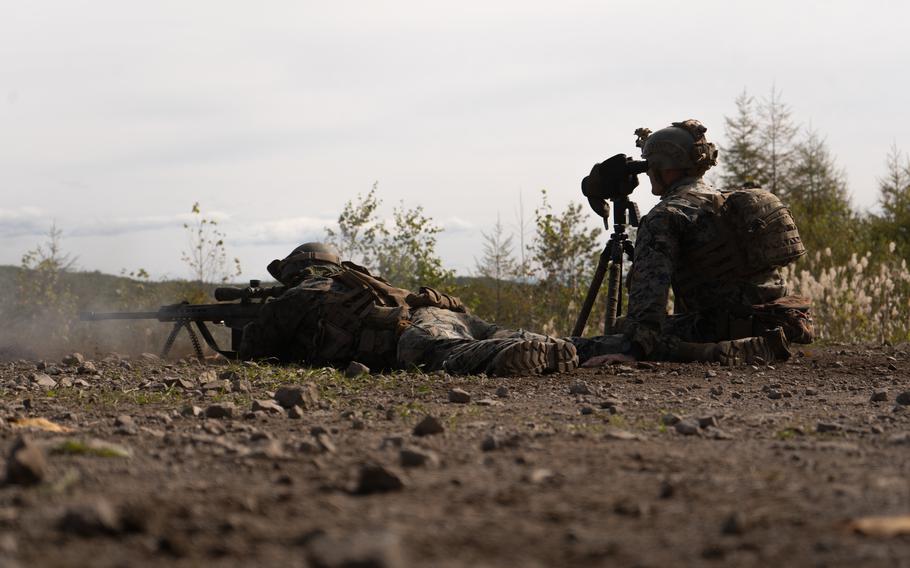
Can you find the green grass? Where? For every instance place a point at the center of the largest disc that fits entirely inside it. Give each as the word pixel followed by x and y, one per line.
pixel 86 448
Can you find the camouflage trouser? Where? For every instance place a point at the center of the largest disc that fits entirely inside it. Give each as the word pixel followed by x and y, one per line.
pixel 459 343
pixel 686 337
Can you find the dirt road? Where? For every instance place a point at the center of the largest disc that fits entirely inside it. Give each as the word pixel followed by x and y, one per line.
pixel 158 463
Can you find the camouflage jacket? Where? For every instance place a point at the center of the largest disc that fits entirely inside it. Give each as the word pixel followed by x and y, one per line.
pixel 677 228
pixel 332 314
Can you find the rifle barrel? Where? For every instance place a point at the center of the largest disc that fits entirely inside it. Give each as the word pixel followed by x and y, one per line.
pixel 98 316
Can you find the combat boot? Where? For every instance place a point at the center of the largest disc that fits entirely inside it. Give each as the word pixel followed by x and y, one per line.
pixel 534 356
pixel 772 346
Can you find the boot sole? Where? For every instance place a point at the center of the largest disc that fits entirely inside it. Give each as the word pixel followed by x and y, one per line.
pixel 532 357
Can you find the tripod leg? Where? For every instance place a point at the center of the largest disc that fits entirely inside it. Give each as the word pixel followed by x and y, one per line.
pixel 593 289
pixel 614 290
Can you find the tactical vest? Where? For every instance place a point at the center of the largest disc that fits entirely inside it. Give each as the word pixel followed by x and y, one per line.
pixel 363 322
pixel 756 233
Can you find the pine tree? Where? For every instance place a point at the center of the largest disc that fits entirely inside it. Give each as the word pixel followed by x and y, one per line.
pixel 742 157
pixel 497 264
pixel 893 224
pixel 816 190
pixel 778 133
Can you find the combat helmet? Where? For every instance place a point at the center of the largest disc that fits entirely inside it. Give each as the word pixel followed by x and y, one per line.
pixel 680 146
pixel 307 254
pixel 325 252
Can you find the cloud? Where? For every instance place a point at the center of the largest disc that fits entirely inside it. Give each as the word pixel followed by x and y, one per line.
pixel 288 231
pixel 125 225
pixel 458 225
pixel 23 222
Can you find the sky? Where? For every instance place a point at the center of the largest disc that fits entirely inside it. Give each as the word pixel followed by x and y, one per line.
pixel 116 116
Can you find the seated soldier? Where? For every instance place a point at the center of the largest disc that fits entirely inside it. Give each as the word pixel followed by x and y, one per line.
pixel 336 312
pixel 720 252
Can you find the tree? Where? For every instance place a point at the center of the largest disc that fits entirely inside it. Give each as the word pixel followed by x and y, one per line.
pixel 403 250
pixel 45 306
pixel 743 157
pixel 358 229
pixel 497 263
pixel 564 252
pixel 777 133
pixel 816 190
pixel 406 252
pixel 893 223
pixel 760 143
pixel 206 255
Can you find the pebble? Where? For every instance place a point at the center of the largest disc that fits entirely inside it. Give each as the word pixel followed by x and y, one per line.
pixel 223 410
pixel 191 410
pixel 178 382
pixel 879 396
pixel 356 369
pixel 579 387
pixel 670 419
pixel 267 406
pixel 733 525
pixel 459 396
pixel 617 434
pixel 305 396
pixel 43 380
pixel 150 357
pixel 707 422
pixel 775 394
pixel 810 391
pixel 428 426
pixel 417 457
pixel 710 374
pixel 26 464
pixel 74 359
pixel 828 427
pixel 217 385
pixel 380 549
pixel 717 391
pixel 295 412
pixel 375 478
pixel 502 392
pixel 323 440
pixel 87 368
pixel 94 518
pixel 541 475
pixel 687 427
pixel 586 410
pixel 126 425
pixel 903 398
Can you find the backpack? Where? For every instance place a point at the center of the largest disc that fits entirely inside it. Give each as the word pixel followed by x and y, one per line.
pixel 757 233
pixel 764 228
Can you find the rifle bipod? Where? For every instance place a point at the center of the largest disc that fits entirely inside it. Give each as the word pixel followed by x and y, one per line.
pixel 625 212
pixel 197 345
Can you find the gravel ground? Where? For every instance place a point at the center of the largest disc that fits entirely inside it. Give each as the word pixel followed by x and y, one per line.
pixel 118 461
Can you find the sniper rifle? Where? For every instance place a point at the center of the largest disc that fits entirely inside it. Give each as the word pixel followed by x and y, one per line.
pixel 236 307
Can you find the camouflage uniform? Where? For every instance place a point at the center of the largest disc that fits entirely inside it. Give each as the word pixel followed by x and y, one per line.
pixel 314 322
pixel 670 236
pixel 459 343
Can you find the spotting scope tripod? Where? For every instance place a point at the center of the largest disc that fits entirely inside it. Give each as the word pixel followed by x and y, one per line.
pixel 613 179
